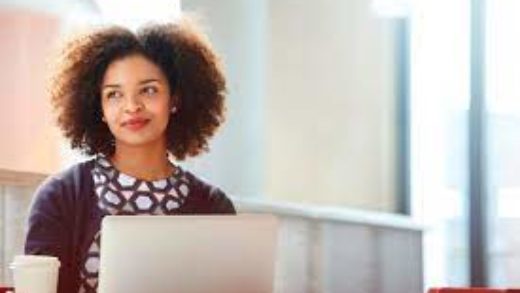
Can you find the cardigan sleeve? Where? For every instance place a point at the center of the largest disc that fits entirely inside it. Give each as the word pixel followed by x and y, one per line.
pixel 47 229
pixel 45 222
pixel 220 202
pixel 206 199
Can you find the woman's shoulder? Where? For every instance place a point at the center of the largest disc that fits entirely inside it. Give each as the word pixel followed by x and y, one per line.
pixel 208 197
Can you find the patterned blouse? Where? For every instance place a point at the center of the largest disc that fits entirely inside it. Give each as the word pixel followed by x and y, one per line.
pixel 121 194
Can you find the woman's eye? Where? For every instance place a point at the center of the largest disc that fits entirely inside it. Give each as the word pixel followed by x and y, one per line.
pixel 149 90
pixel 111 95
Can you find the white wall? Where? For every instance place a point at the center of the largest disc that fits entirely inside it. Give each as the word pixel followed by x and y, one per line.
pixel 237 29
pixel 312 101
pixel 331 118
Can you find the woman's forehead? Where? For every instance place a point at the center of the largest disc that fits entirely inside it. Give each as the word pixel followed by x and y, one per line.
pixel 133 69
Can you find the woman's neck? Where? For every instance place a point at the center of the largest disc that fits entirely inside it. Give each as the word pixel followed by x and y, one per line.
pixel 146 163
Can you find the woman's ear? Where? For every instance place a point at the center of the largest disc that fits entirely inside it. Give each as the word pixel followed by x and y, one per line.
pixel 174 101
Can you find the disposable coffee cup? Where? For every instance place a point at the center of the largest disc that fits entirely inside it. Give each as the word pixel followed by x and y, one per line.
pixel 35 273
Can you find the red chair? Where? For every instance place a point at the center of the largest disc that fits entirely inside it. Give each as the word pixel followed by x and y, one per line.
pixel 472 290
pixel 6 289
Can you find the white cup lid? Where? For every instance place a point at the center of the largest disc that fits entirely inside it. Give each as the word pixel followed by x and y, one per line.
pixel 34 260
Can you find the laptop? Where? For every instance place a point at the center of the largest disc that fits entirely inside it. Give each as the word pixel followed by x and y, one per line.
pixel 188 254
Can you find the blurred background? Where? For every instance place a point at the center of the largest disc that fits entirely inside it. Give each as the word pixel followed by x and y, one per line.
pixel 385 133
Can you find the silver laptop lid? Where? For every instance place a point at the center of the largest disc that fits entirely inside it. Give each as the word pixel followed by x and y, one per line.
pixel 188 254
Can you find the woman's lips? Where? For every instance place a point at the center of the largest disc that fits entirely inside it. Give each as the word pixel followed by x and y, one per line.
pixel 135 124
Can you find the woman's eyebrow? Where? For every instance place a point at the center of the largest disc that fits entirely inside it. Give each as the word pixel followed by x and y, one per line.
pixel 141 82
pixel 148 80
pixel 111 85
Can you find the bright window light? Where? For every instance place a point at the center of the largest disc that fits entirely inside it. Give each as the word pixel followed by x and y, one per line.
pixel 132 14
pixel 391 8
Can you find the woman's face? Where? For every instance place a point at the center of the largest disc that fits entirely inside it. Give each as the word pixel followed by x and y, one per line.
pixel 136 101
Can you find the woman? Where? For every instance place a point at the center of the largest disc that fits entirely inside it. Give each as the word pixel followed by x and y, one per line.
pixel 132 100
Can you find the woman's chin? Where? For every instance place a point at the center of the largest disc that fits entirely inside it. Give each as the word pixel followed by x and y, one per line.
pixel 137 141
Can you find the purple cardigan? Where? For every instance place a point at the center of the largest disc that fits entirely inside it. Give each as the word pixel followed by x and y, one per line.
pixel 65 217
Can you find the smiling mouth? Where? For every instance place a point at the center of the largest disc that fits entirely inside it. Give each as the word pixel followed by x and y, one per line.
pixel 136 124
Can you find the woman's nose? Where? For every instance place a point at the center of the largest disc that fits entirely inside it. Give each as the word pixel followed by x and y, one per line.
pixel 133 104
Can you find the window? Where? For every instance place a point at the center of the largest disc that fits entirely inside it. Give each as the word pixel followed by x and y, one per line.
pixel 439 103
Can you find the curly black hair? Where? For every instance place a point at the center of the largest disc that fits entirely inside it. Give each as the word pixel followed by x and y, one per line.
pixel 179 49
